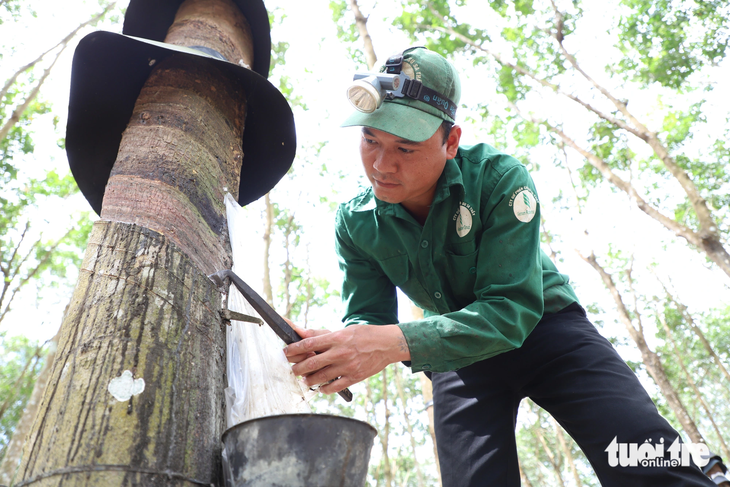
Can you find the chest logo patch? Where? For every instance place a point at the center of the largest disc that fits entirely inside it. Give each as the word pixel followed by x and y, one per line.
pixel 464 219
pixel 524 204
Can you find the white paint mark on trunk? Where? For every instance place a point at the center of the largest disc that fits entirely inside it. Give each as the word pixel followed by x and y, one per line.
pixel 125 386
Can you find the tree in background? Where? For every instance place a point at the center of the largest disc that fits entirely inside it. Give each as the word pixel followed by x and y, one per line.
pixel 35 260
pixel 664 54
pixel 20 362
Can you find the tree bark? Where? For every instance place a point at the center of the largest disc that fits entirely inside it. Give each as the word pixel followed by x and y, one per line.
pixel 136 390
pixel 182 149
pixel 141 306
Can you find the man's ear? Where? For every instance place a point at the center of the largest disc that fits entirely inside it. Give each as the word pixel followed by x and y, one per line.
pixel 452 143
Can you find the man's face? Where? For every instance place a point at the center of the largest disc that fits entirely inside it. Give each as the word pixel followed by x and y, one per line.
pixel 403 171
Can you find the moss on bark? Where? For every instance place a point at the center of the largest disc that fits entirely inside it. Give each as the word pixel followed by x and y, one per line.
pixel 140 305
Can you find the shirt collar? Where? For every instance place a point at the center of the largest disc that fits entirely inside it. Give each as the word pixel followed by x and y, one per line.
pixel 449 178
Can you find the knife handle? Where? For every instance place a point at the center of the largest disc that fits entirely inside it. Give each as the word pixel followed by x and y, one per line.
pixel 346 394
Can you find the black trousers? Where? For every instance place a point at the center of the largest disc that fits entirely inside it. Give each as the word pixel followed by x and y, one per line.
pixel 570 370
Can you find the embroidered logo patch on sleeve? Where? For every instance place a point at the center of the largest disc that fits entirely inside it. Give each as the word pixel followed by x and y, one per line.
pixel 524 204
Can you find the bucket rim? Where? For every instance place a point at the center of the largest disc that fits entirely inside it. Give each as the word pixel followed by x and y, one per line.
pixel 276 416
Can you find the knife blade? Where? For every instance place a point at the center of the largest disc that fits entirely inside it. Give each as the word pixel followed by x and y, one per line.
pixel 271 317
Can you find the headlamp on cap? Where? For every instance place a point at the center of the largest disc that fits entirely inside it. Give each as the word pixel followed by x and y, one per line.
pixel 369 90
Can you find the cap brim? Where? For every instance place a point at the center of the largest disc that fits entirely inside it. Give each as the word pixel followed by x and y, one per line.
pixel 151 19
pixel 107 75
pixel 400 120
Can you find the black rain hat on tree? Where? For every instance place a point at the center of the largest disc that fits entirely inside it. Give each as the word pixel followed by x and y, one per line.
pixel 108 73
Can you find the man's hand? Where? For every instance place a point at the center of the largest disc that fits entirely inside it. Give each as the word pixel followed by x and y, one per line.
pixel 352 354
pixel 304 333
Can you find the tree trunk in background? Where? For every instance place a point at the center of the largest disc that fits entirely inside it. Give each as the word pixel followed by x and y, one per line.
pixel 10 273
pixel 18 112
pixel 566 452
pixel 649 357
pixel 706 237
pixel 698 332
pixel 362 27
pixel 407 421
pixel 386 431
pixel 62 44
pixel 268 226
pixel 288 268
pixel 693 384
pixel 427 393
pixel 11 461
pixel 554 463
pixel 29 364
pixel 136 390
pixel 524 479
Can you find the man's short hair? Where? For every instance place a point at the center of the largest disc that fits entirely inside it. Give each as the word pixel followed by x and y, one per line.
pixel 446 127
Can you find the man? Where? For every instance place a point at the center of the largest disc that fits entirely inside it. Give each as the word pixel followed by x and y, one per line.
pixel 457 229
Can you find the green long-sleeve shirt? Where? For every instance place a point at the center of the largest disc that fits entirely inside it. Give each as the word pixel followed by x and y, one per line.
pixel 475 266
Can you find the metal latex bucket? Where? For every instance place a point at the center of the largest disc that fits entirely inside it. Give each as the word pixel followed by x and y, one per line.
pixel 293 450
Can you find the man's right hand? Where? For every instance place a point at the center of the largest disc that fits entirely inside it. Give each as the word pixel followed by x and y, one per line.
pixel 345 357
pixel 304 333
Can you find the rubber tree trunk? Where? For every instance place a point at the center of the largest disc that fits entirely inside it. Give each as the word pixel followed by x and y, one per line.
pixel 136 393
pixel 136 390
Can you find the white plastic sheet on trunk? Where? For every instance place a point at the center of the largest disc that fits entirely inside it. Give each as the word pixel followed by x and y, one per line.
pixel 260 379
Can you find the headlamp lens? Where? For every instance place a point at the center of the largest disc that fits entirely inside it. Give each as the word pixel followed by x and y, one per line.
pixel 364 96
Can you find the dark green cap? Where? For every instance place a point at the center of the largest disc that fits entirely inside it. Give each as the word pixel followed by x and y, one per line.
pixel 413 119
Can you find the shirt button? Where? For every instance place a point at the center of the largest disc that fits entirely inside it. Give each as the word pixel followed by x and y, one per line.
pixel 424 244
pixel 426 367
pixel 473 270
pixel 437 295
